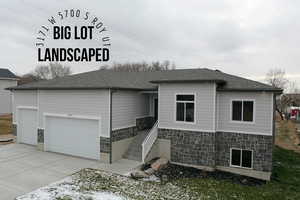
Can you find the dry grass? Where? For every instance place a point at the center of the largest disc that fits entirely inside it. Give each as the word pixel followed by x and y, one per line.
pixel 5 124
pixel 286 135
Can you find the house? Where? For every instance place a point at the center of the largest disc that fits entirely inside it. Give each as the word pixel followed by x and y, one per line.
pixel 294 113
pixel 7 79
pixel 195 117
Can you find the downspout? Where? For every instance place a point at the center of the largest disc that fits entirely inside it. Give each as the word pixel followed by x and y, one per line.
pixel 274 118
pixel 215 125
pixel 110 124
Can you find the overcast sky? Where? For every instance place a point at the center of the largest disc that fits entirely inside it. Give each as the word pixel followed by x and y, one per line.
pixel 245 38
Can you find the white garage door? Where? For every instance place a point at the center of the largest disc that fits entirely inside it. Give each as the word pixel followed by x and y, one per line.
pixel 27 126
pixel 73 136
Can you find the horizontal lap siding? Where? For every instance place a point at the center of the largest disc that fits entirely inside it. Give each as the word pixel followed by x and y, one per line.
pixel 5 96
pixel 23 98
pixel 127 106
pixel 263 112
pixel 204 105
pixel 76 102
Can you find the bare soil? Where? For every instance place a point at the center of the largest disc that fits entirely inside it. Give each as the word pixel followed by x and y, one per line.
pixel 5 124
pixel 287 136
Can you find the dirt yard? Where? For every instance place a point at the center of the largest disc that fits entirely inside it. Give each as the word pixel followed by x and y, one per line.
pixel 6 130
pixel 287 136
pixel 5 124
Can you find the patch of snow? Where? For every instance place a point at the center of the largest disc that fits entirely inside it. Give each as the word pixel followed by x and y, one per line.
pixel 65 188
pixel 151 178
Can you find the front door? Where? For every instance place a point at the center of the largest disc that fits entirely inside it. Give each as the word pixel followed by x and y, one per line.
pixel 155 109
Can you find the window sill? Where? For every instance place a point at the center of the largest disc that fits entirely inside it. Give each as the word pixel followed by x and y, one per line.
pixel 240 167
pixel 242 122
pixel 184 122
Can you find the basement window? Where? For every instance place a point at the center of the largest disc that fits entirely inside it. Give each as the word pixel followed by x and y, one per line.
pixel 241 158
pixel 243 110
pixel 185 108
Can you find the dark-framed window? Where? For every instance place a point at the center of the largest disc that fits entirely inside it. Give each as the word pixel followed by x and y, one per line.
pixel 241 158
pixel 243 110
pixel 185 107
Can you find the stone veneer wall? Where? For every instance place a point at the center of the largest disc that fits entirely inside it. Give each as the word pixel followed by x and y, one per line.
pixel 14 129
pixel 105 146
pixel 190 147
pixel 213 149
pixel 40 137
pixel 145 123
pixel 124 133
pixel 261 145
pixel 117 135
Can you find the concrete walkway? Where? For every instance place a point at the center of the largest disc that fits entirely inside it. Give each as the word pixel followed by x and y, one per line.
pixel 23 168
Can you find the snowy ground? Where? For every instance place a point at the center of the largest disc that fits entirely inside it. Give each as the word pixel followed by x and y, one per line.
pixel 90 184
pixel 67 190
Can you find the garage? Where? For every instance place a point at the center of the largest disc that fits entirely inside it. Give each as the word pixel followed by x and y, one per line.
pixel 27 125
pixel 72 135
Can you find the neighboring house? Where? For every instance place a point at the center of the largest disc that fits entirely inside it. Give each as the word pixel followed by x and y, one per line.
pixel 7 79
pixel 196 117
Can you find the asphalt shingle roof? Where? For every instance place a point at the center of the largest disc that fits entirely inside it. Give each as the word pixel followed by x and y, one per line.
pixel 6 73
pixel 147 80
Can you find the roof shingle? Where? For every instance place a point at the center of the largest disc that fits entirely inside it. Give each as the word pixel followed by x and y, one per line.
pixel 147 80
pixel 6 73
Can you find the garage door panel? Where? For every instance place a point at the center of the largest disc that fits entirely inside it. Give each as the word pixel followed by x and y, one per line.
pixel 78 137
pixel 27 126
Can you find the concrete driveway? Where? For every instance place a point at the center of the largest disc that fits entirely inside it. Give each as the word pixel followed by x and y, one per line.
pixel 23 168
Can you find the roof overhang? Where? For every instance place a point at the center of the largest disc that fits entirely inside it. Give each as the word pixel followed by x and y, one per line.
pixel 80 88
pixel 10 79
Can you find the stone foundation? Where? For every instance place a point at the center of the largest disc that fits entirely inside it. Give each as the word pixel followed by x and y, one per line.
pixel 190 147
pixel 116 146
pixel 261 145
pixel 105 145
pixel 40 138
pixel 14 129
pixel 124 133
pixel 40 133
pixel 203 149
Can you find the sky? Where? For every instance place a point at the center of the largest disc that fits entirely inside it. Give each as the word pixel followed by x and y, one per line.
pixel 245 38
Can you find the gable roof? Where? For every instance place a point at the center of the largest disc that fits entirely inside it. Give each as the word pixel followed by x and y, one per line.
pixel 6 73
pixel 101 79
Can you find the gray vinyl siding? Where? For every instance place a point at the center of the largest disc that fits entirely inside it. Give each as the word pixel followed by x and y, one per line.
pixel 23 98
pixel 93 103
pixel 127 106
pixel 6 96
pixel 204 106
pixel 263 113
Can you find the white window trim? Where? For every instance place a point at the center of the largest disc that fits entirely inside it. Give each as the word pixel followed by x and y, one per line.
pixel 175 108
pixel 240 166
pixel 243 122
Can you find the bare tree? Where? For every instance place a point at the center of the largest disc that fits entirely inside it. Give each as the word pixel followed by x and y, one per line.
pixel 53 70
pixel 42 72
pixel 293 87
pixel 140 66
pixel 277 78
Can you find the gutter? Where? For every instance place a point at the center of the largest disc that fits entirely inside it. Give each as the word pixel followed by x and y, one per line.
pixel 80 88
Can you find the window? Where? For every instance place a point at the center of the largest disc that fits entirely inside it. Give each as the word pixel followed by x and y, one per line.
pixel 185 108
pixel 241 158
pixel 242 110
